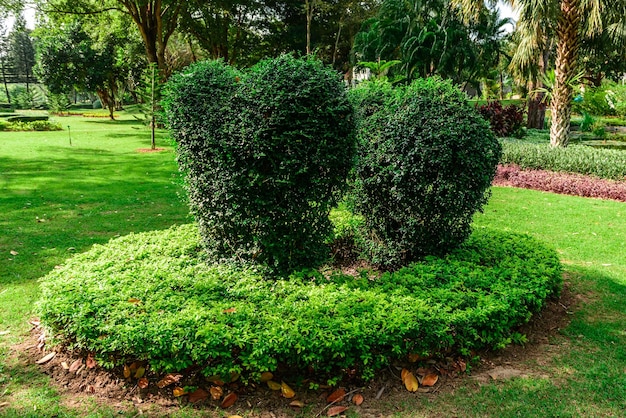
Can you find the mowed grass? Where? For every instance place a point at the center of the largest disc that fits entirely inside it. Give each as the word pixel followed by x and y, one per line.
pixel 57 200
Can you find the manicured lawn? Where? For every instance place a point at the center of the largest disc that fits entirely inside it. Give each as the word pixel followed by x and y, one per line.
pixel 57 200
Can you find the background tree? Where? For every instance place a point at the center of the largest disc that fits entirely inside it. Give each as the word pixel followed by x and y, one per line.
pixel 21 50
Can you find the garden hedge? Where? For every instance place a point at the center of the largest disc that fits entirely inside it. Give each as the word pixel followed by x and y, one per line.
pixel 153 297
pixel 266 155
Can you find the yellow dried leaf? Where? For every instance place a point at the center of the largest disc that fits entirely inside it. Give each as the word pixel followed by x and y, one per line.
pixel 65 365
pixel 126 372
pixel 178 392
pixel 265 376
pixel 273 385
pixel 297 404
pixel 75 365
pixel 404 373
pixel 140 372
pixel 134 301
pixel 287 391
pixel 410 382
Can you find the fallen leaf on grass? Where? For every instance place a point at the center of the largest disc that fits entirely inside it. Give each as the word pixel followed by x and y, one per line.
pixel 216 393
pixel 358 399
pixel 134 301
pixel 46 358
pixel 409 380
pixel 266 376
pixel 75 365
pixel 3 404
pixel 230 310
pixel 273 385
pixel 297 404
pixel 430 380
pixel 4 332
pixel 143 383
pixel 14 252
pixel 235 416
pixel 169 379
pixel 336 410
pixel 198 395
pixel 178 392
pixel 91 362
pixel 229 400
pixel 336 396
pixel 64 365
pixel 287 391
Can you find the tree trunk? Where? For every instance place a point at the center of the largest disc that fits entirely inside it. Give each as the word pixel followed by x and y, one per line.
pixel 536 118
pixel 566 59
pixel 309 5
pixel 4 80
pixel 107 101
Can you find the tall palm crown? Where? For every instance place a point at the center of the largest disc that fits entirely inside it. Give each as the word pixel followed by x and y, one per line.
pixel 574 20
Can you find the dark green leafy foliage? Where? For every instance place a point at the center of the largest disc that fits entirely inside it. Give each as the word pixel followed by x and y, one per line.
pixel 426 162
pixel 266 154
pixel 153 297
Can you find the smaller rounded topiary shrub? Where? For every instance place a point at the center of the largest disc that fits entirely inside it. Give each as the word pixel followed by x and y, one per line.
pixel 152 297
pixel 266 154
pixel 425 165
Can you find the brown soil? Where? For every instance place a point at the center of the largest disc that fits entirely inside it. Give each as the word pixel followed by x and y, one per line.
pixel 381 395
pixel 148 150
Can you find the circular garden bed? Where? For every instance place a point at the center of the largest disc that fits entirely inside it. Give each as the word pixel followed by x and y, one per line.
pixel 152 297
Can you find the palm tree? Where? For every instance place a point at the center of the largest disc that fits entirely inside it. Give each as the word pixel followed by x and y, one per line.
pixel 575 19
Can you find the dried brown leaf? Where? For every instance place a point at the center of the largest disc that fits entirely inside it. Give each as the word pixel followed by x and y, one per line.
pixel 169 379
pixel 134 301
pixel 198 395
pixel 143 383
pixel 216 393
pixel 336 410
pixel 229 400
pixel 358 399
pixel 178 392
pixel 75 365
pixel 229 310
pixel 430 379
pixel 91 361
pixel 336 396
pixel 46 358
pixel 297 404
pixel 65 365
pixel 127 372
pixel 287 391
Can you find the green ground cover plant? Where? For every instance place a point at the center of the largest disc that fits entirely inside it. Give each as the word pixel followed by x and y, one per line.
pixel 35 125
pixel 602 163
pixel 152 297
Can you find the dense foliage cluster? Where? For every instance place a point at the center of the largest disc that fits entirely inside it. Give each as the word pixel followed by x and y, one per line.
pixel 503 120
pixel 563 183
pixel 152 296
pixel 426 161
pixel 266 154
pixel 581 159
pixel 34 125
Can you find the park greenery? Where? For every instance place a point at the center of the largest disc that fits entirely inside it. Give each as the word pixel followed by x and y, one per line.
pixel 324 207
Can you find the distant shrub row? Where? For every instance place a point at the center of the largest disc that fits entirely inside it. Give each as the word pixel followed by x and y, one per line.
pixel 563 183
pixel 37 125
pixel 153 297
pixel 267 152
pixel 602 163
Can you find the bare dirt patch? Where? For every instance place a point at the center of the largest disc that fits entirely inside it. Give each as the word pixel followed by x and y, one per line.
pixel 149 150
pixel 122 389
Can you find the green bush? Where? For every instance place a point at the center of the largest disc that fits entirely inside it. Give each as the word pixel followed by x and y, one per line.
pixel 36 125
pixel 152 297
pixel 426 162
pixel 581 159
pixel 595 101
pixel 265 157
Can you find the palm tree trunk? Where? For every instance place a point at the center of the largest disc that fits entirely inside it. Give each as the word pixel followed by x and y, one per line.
pixel 566 60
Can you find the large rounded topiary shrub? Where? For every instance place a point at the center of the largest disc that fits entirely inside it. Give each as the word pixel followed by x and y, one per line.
pixel 426 162
pixel 266 154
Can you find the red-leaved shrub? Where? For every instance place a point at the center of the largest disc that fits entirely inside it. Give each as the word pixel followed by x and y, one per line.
pixel 563 183
pixel 504 120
